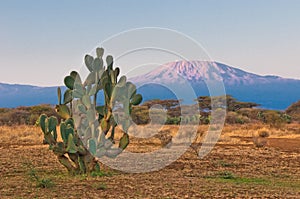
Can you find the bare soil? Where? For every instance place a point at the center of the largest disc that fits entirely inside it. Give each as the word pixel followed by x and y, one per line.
pixel 235 168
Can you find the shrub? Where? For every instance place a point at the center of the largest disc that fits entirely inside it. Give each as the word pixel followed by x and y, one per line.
pixel 274 118
pixel 173 120
pixel 250 113
pixel 235 118
pixel 294 111
pixel 140 115
pixel 25 115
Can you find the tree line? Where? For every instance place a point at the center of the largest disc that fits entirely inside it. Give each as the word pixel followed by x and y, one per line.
pixel 170 112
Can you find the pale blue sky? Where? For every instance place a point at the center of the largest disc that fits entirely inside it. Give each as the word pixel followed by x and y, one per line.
pixel 41 41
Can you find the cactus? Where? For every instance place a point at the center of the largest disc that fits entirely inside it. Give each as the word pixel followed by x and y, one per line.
pixel 87 130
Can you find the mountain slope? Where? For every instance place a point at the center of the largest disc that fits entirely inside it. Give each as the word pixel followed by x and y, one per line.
pixel 13 95
pixel 271 92
pixel 196 71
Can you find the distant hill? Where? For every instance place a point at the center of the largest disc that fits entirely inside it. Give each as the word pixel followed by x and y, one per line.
pixel 271 92
pixel 14 95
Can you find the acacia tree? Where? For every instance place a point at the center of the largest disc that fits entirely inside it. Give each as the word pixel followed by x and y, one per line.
pixel 204 103
pixel 88 130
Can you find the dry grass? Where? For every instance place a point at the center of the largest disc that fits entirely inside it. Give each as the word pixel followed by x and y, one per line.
pixel 155 134
pixel 248 130
pixel 21 134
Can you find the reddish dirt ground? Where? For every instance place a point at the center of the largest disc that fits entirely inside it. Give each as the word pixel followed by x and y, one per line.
pixel 231 170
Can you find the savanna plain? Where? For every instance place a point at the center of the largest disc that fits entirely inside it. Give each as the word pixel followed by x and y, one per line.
pixel 248 161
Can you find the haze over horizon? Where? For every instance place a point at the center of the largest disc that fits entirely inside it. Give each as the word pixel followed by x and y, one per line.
pixel 42 41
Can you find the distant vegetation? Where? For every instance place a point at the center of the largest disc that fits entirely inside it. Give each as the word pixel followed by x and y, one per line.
pixel 237 113
pixel 25 115
pixel 294 111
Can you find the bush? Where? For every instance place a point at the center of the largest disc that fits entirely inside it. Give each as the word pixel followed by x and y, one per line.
pixel 140 115
pixel 250 113
pixel 235 118
pixel 294 111
pixel 274 118
pixel 24 115
pixel 173 120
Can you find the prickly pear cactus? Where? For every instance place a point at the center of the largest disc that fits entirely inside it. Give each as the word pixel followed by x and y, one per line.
pixel 88 130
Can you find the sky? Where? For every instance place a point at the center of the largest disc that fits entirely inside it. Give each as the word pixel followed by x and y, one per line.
pixel 42 41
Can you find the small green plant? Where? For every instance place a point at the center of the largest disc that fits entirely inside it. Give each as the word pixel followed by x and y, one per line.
pixel 286 118
pixel 246 180
pixel 87 129
pixel 99 186
pixel 223 175
pixel 226 175
pixel 223 163
pixel 101 174
pixel 40 182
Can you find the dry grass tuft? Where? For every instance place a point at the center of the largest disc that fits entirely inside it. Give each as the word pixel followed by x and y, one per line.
pixel 260 137
pixel 260 142
pixel 263 133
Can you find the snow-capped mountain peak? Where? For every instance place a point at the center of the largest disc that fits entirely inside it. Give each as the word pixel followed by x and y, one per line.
pixel 195 71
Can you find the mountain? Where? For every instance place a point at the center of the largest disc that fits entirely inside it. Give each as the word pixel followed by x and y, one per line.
pixel 182 80
pixel 13 95
pixel 175 78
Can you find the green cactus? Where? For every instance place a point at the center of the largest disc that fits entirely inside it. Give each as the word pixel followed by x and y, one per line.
pixel 87 130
